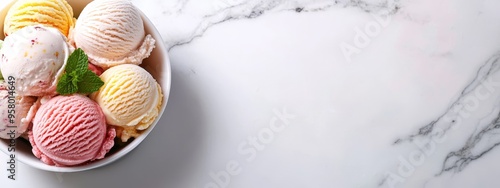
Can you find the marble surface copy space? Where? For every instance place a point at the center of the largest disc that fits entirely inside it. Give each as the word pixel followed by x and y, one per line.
pixel 317 93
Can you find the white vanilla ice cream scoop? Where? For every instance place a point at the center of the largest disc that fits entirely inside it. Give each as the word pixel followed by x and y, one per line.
pixel 111 32
pixel 35 56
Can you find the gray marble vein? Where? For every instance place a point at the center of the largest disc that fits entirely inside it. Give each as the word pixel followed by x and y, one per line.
pixel 231 10
pixel 481 137
pixel 451 117
pixel 476 146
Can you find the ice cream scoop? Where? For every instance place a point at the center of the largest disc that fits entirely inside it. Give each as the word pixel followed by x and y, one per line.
pixel 36 57
pixel 1 43
pixel 111 32
pixel 69 131
pixel 130 98
pixel 16 112
pixel 51 13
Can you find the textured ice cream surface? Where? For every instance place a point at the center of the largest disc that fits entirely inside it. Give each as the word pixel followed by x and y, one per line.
pixel 14 123
pixel 70 130
pixel 111 32
pixel 130 98
pixel 1 43
pixel 127 132
pixel 51 13
pixel 36 57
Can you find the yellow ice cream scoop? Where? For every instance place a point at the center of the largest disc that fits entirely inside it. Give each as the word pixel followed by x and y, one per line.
pixel 130 99
pixel 51 13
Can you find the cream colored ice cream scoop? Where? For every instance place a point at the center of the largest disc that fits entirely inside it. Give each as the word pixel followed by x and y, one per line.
pixel 36 57
pixel 111 32
pixel 130 98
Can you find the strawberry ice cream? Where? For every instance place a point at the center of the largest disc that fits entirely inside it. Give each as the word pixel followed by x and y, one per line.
pixel 69 131
pixel 24 111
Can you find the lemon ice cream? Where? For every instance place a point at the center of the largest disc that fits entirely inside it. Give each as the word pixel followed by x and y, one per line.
pixel 130 99
pixel 51 13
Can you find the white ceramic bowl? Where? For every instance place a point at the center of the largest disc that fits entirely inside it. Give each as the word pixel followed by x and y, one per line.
pixel 157 64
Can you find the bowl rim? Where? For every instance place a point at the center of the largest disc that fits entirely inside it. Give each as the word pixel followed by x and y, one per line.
pixel 166 75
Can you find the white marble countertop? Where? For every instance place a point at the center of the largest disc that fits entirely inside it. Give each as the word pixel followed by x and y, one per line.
pixel 317 93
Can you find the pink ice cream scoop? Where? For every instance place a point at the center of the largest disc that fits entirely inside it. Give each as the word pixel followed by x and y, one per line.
pixel 16 112
pixel 69 131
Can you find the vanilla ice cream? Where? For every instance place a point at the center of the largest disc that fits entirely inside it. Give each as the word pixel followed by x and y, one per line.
pixel 36 57
pixel 111 32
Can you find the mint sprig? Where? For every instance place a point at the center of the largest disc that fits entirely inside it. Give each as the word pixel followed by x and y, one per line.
pixel 77 77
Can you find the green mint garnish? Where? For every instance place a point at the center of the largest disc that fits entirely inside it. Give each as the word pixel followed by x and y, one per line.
pixel 78 78
pixel 77 61
pixel 65 85
pixel 91 84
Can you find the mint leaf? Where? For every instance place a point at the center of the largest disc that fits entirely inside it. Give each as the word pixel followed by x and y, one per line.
pixel 78 78
pixel 91 83
pixel 75 77
pixel 77 61
pixel 65 85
